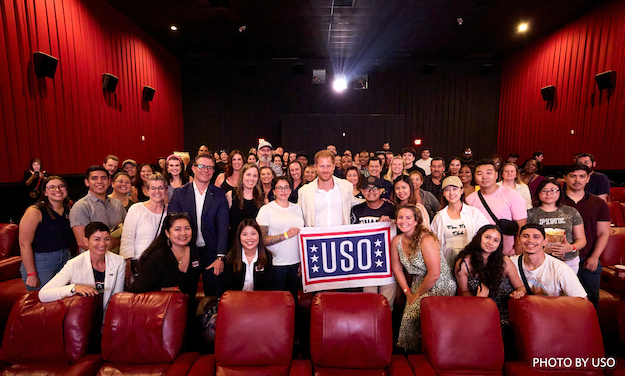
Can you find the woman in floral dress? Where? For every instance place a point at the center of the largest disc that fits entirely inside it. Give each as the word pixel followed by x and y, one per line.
pixel 419 252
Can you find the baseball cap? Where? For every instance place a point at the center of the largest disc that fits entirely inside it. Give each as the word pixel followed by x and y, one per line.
pixel 372 180
pixel 132 161
pixel 263 144
pixel 452 180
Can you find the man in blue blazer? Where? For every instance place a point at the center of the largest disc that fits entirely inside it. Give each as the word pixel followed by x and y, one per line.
pixel 208 213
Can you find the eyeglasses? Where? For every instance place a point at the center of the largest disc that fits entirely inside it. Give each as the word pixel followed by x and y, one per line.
pixel 60 187
pixel 205 167
pixel 550 191
pixel 285 188
pixel 161 188
pixel 367 189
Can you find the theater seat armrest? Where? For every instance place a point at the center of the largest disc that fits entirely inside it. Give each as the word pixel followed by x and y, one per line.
pixel 10 268
pixel 182 364
pixel 517 369
pixel 399 366
pixel 421 365
pixel 204 365
pixel 612 284
pixel 300 368
pixel 87 365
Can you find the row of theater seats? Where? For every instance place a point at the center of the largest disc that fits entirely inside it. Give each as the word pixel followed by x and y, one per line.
pixel 350 334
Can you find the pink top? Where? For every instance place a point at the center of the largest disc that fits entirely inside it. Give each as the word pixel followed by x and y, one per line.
pixel 505 204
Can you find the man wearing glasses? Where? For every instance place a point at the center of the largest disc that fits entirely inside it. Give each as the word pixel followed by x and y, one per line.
pixel 374 209
pixel 596 216
pixel 208 213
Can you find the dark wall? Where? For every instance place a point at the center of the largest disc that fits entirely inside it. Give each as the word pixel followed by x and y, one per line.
pixel 226 108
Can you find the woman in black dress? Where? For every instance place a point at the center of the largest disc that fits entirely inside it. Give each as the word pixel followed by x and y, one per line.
pixel 245 200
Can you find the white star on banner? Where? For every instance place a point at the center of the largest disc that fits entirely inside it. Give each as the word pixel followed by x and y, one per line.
pixel 378 253
pixel 378 243
pixel 314 258
pixel 315 268
pixel 313 248
pixel 379 263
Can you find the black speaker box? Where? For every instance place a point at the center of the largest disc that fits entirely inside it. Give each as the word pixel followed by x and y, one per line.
pixel 109 82
pixel 548 92
pixel 148 93
pixel 45 65
pixel 428 69
pixel 606 80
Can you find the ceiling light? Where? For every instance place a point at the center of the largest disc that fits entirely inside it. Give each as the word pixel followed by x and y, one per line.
pixel 340 84
pixel 523 27
pixel 173 28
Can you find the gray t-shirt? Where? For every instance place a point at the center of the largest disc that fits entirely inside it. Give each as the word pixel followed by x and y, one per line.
pixel 565 217
pixel 91 209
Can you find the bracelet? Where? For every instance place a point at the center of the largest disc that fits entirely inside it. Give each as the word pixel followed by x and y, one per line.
pixel 574 249
pixel 31 274
pixel 286 236
pixel 406 290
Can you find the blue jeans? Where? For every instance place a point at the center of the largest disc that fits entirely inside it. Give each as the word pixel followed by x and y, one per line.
pixel 285 279
pixel 591 281
pixel 47 264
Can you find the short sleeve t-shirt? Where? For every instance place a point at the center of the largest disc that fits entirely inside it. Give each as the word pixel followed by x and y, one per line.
pixel 505 204
pixel 599 184
pixel 279 220
pixel 593 210
pixel 455 238
pixel 564 217
pixel 362 213
pixel 552 278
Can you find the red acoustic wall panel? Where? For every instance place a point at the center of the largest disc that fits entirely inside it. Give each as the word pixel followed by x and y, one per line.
pixel 70 122
pixel 569 59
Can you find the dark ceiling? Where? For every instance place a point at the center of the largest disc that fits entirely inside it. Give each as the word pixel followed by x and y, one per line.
pixel 348 29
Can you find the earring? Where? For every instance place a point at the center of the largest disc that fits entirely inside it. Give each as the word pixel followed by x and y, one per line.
pixel 168 242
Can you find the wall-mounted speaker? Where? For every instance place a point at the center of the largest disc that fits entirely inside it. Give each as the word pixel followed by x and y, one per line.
pixel 148 93
pixel 606 80
pixel 548 93
pixel 298 69
pixel 428 69
pixel 109 82
pixel 45 65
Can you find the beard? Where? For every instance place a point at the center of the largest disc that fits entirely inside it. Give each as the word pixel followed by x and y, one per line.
pixel 265 159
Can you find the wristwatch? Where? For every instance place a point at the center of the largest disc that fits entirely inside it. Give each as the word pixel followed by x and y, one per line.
pixel 74 289
pixel 220 258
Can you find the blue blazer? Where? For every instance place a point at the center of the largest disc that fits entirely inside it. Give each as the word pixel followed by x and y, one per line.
pixel 215 215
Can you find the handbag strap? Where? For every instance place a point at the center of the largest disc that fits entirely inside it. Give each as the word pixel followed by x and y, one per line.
pixel 492 215
pixel 528 291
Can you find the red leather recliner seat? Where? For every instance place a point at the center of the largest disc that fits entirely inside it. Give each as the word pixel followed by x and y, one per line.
pixel 49 338
pixel 461 336
pixel 352 334
pixel 143 335
pixel 254 336
pixel 554 327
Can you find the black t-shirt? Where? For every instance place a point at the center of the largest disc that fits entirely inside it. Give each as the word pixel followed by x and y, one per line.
pixel 593 210
pixel 599 184
pixel 99 280
pixel 415 168
pixel 362 213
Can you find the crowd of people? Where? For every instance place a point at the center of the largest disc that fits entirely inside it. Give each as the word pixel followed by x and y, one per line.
pixel 485 228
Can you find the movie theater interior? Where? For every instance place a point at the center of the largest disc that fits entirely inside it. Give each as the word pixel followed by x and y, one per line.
pixel 138 82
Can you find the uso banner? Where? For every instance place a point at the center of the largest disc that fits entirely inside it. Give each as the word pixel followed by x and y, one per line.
pixel 346 256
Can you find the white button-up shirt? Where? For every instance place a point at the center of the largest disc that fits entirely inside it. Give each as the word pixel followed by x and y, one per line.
pixel 328 207
pixel 199 206
pixel 248 282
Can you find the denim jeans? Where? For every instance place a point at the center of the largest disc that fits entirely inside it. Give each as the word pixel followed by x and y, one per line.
pixel 47 264
pixel 591 281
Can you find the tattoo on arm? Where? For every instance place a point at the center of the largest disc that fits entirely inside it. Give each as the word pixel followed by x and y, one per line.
pixel 270 240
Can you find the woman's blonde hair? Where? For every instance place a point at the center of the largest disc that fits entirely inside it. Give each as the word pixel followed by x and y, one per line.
pixel 420 229
pixel 389 174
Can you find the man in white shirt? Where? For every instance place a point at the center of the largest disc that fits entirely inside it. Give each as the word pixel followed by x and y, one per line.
pixel 545 275
pixel 425 161
pixel 327 200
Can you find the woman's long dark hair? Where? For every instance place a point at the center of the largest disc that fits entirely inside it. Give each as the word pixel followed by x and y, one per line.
pixel 228 171
pixel 536 200
pixel 161 240
pixel 234 257
pixel 183 172
pixel 138 183
pixel 492 273
pixel 288 174
pixel 44 202
pixel 238 191
pixel 412 199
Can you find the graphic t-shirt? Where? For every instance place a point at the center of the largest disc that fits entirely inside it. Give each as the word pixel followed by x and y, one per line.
pixel 564 217
pixel 552 278
pixel 455 239
pixel 362 213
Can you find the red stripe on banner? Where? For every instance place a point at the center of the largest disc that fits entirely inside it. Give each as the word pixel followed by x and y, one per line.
pixel 390 274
